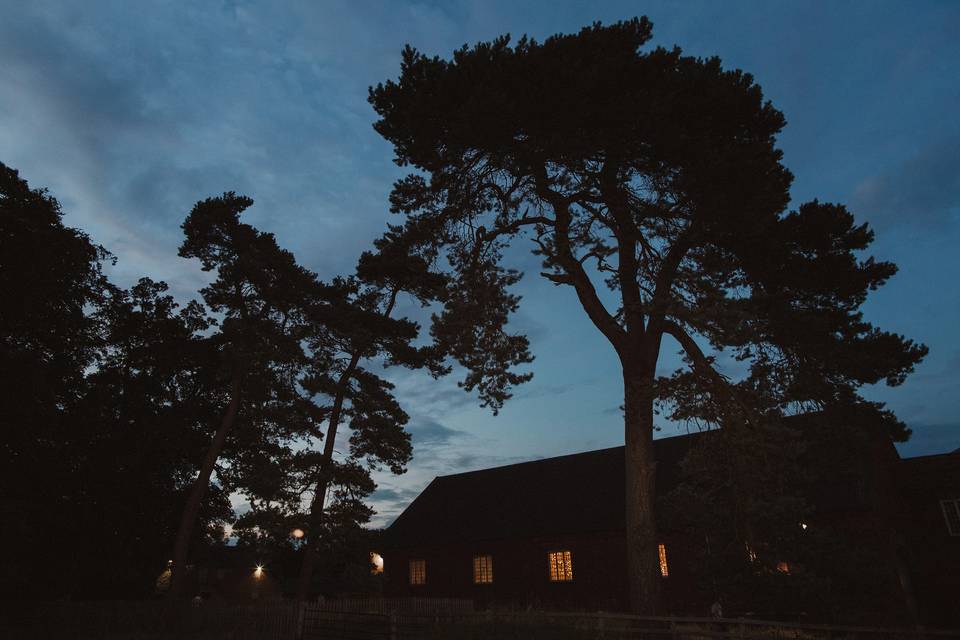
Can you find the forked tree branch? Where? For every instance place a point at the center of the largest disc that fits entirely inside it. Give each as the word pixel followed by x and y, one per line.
pixel 586 292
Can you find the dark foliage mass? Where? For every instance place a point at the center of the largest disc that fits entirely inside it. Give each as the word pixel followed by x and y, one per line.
pixel 128 419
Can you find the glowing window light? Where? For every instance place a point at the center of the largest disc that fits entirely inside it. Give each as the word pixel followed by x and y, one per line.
pixel 783 567
pixel 376 563
pixel 482 569
pixel 418 572
pixel 664 569
pixel 297 533
pixel 561 566
pixel 258 572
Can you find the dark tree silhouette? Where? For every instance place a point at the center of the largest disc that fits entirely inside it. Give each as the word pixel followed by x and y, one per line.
pixel 50 277
pixel 657 173
pixel 350 338
pixel 103 405
pixel 135 436
pixel 261 293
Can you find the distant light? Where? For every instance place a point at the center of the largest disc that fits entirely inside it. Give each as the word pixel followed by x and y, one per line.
pixel 803 525
pixel 783 567
pixel 258 572
pixel 297 533
pixel 377 561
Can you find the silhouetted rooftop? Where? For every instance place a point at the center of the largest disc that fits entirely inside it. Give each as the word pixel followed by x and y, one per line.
pixel 572 494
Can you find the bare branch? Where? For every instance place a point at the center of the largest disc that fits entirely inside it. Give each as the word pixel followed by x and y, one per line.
pixel 586 292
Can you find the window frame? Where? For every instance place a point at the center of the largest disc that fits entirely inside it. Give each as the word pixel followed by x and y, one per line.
pixel 560 571
pixel 483 569
pixel 417 578
pixel 954 504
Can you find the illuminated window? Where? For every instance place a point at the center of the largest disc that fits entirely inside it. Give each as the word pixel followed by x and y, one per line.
pixel 418 572
pixel 561 566
pixel 376 563
pixel 951 513
pixel 664 569
pixel 783 567
pixel 482 569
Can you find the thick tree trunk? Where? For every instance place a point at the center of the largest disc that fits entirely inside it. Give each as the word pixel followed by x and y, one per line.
pixel 642 558
pixel 198 492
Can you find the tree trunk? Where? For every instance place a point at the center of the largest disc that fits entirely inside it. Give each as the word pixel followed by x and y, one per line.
pixel 323 482
pixel 198 492
pixel 643 566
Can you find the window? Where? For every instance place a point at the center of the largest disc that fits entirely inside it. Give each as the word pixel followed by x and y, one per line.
pixel 664 569
pixel 418 572
pixel 951 513
pixel 561 566
pixel 482 569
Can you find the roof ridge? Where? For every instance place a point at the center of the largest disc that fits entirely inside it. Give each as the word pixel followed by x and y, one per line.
pixel 525 462
pixel 565 455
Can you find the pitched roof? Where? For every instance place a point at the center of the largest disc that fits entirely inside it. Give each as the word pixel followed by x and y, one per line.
pixel 579 493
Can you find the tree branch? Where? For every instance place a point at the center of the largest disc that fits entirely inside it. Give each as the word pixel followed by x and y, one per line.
pixel 586 292
pixel 626 233
pixel 665 278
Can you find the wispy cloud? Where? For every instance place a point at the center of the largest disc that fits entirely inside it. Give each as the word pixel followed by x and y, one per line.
pixel 921 194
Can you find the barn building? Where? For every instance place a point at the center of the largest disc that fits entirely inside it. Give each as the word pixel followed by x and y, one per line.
pixel 549 534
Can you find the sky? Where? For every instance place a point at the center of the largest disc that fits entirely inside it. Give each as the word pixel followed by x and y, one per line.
pixel 130 112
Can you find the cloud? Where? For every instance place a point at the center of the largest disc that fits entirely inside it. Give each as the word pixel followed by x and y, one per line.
pixel 429 432
pixel 923 192
pixel 396 495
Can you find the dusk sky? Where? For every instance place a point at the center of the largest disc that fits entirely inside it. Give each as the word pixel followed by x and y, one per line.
pixel 130 112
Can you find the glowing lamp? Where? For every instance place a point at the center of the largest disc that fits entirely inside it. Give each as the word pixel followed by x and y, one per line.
pixel 258 572
pixel 297 533
pixel 376 560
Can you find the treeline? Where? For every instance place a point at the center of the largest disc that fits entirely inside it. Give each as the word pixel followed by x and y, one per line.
pixel 129 418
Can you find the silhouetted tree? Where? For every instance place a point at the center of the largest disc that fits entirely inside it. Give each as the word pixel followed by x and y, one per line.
pixel 350 338
pixel 261 293
pixel 784 518
pixel 136 433
pixel 50 281
pixel 657 173
pixel 102 408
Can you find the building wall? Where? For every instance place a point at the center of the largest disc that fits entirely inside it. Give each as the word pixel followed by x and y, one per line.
pixel 931 553
pixel 521 572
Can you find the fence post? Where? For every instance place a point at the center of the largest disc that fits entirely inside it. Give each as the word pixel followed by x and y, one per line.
pixel 299 620
pixel 393 624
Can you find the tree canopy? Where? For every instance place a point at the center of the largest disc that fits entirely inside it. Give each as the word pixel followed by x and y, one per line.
pixel 657 175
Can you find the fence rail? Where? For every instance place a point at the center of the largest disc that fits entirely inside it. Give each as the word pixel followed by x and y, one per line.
pixel 392 622
pixel 394 619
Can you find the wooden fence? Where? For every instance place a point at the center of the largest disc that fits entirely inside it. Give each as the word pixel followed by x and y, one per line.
pixel 393 619
pixel 149 620
pixel 417 622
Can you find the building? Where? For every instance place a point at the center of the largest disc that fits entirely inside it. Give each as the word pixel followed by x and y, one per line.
pixel 550 533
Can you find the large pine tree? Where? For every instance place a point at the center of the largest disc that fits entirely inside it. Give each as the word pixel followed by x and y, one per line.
pixel 656 174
